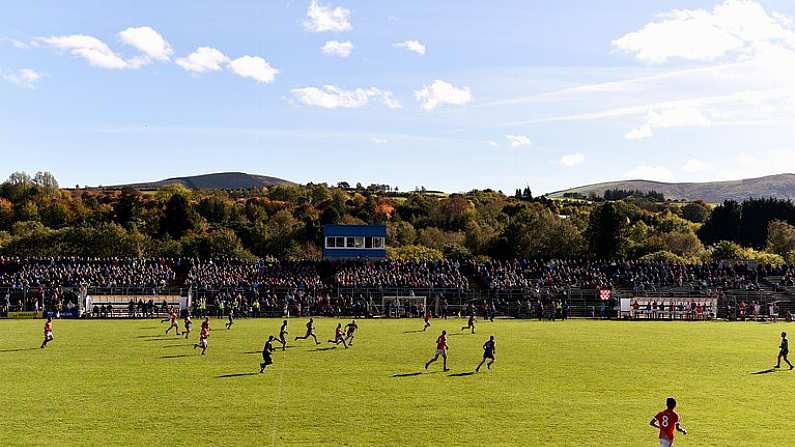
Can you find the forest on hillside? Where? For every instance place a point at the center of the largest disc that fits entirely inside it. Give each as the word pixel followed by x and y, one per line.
pixel 39 219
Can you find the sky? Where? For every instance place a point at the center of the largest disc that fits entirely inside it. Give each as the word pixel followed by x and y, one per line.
pixel 452 95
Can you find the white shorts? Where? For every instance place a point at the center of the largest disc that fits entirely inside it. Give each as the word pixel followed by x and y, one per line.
pixel 441 352
pixel 48 335
pixel 203 342
pixel 666 442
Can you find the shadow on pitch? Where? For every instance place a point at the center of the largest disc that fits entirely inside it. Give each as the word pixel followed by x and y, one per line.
pixel 18 350
pixel 413 332
pixel 162 338
pixel 463 374
pixel 408 374
pixel 175 356
pixel 766 371
pixel 226 376
pixel 325 349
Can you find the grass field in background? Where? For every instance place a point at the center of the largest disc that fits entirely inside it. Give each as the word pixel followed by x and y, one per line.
pixel 572 383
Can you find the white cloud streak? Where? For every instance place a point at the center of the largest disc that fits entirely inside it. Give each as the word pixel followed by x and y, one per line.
pixel 332 97
pixel 440 93
pixel 337 48
pixel 320 18
pixel 415 46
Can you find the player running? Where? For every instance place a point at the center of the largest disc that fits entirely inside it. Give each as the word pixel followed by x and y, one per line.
pixel 441 350
pixel 783 351
pixel 283 335
pixel 203 335
pixel 668 422
pixel 310 331
pixel 489 349
pixel 266 354
pixel 339 337
pixel 470 323
pixel 174 325
pixel 230 319
pixel 350 331
pixel 47 332
pixel 188 326
pixel 427 320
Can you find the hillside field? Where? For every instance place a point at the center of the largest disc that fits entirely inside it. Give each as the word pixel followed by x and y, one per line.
pixel 571 383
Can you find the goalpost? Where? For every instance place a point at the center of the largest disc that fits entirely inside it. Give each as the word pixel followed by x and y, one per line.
pixel 396 306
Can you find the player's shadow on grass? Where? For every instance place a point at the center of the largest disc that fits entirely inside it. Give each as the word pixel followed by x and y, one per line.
pixel 18 349
pixel 175 346
pixel 175 356
pixel 766 371
pixel 227 376
pixel 413 332
pixel 408 374
pixel 463 374
pixel 161 339
pixel 325 349
pixel 148 336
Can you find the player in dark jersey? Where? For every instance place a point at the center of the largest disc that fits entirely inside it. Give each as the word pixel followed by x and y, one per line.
pixel 47 332
pixel 470 323
pixel 339 337
pixel 427 320
pixel 783 351
pixel 266 354
pixel 350 331
pixel 489 349
pixel 230 319
pixel 188 326
pixel 283 335
pixel 310 331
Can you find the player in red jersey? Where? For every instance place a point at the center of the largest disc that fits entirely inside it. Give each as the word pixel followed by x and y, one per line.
pixel 172 317
pixel 427 320
pixel 339 337
pixel 668 422
pixel 47 332
pixel 441 350
pixel 205 333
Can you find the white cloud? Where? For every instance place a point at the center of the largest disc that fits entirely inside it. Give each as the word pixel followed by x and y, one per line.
pixel 694 166
pixel 148 41
pixel 643 172
pixel 518 140
pixel 412 45
pixel 337 48
pixel 733 28
pixel 93 50
pixel 253 67
pixel 669 118
pixel 202 60
pixel 15 43
pixel 320 18
pixel 570 160
pixel 376 140
pixel 25 78
pixel 493 143
pixel 641 133
pixel 441 92
pixel 331 97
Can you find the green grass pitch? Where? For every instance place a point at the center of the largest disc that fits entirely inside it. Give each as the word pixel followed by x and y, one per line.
pixel 573 383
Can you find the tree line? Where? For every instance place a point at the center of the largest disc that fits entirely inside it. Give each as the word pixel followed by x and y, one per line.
pixel 37 218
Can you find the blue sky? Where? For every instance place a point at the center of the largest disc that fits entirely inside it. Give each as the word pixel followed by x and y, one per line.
pixel 451 95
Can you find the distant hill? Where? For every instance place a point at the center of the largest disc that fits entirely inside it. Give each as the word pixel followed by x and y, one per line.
pixel 780 186
pixel 220 180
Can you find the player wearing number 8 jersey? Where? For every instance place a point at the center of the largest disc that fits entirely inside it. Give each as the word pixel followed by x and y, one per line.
pixel 668 422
